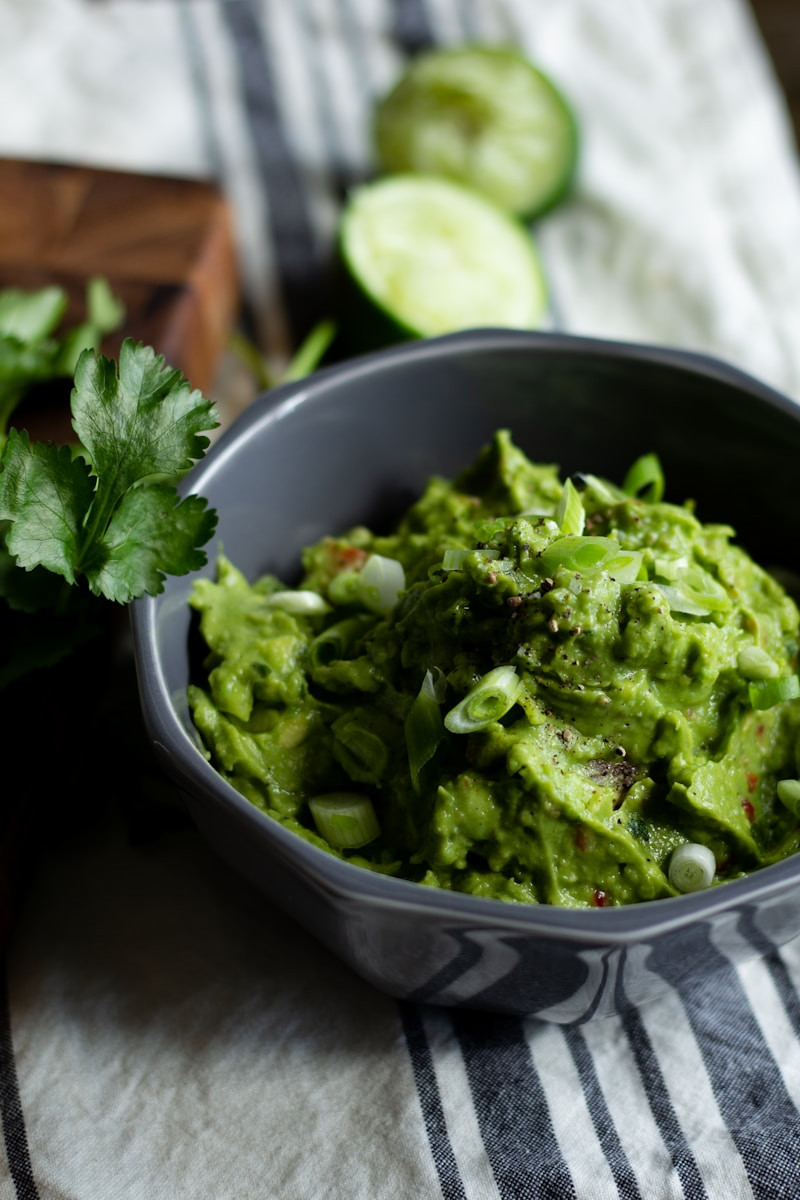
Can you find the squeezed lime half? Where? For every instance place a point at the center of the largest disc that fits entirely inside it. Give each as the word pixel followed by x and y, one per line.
pixel 424 256
pixel 484 116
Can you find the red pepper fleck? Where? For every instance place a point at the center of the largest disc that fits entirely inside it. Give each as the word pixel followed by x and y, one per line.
pixel 350 554
pixel 600 899
pixel 581 839
pixel 760 730
pixel 749 811
pixel 752 781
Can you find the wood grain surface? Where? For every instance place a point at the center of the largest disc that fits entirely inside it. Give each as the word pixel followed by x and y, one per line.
pixel 166 247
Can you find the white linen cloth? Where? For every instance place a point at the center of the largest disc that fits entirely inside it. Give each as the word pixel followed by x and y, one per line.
pixel 171 1036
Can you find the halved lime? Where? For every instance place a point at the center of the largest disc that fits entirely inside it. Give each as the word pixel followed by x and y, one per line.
pixel 424 256
pixel 485 116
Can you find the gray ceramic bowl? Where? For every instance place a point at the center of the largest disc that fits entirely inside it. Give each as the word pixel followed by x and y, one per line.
pixel 355 443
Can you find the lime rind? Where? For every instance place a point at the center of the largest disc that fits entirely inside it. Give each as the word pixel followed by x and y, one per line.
pixel 484 116
pixel 423 256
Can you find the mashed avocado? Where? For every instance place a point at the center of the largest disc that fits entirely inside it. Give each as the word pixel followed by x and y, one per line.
pixel 530 690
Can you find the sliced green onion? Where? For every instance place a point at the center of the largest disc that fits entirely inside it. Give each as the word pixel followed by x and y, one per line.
pixel 362 752
pixel 695 592
pixel 578 553
pixel 691 867
pixel 345 819
pixel 452 560
pixel 670 568
pixel 489 700
pixel 601 489
pixel 625 567
pixel 705 587
pixel 376 586
pixel 382 581
pixel 345 588
pixel 754 663
pixel 770 692
pixel 570 513
pixel 303 602
pixel 338 640
pixel 424 727
pixel 311 352
pixel 645 479
pixel 788 791
pixel 681 600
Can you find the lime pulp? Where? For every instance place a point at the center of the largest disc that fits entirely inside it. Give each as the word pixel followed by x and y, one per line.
pixel 483 116
pixel 432 257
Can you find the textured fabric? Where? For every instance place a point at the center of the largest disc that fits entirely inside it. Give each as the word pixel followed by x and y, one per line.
pixel 167 1035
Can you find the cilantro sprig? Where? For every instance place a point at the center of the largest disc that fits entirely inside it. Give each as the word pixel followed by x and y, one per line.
pixel 108 511
pixel 34 346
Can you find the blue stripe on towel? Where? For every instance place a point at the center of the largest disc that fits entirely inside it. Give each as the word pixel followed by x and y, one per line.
pixel 14 1135
pixel 411 28
pixel 301 272
pixel 661 1107
pixel 758 1111
pixel 776 967
pixel 511 1108
pixel 431 1103
pixel 602 1120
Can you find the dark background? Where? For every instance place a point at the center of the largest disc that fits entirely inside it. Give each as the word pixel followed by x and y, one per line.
pixel 779 21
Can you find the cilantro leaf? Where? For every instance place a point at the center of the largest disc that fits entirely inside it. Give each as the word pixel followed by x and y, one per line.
pixel 142 420
pixel 32 350
pixel 113 516
pixel 45 493
pixel 151 535
pixel 31 316
pixel 104 313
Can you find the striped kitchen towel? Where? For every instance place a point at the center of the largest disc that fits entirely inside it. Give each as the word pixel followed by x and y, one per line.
pixel 165 1035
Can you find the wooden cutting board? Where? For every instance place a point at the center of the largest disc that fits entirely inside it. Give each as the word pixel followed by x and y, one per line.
pixel 165 246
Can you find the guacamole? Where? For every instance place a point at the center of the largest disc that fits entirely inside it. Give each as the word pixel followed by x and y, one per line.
pixel 531 689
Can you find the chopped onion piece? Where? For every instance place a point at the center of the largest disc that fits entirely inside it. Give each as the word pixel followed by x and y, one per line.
pixel 302 602
pixel 346 820
pixel 489 700
pixel 692 867
pixel 770 692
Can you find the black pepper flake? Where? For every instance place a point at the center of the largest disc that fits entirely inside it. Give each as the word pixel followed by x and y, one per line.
pixel 620 775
